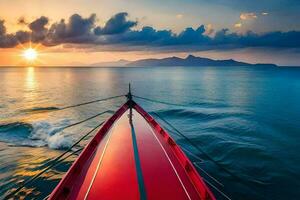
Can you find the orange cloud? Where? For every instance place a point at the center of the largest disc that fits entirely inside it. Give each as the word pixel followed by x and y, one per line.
pixel 238 25
pixel 179 16
pixel 247 16
pixel 209 30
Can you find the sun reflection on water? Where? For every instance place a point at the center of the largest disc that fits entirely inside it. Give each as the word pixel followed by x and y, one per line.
pixel 30 78
pixel 31 162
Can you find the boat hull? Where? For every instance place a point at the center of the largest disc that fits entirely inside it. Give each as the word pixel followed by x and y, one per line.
pixel 132 157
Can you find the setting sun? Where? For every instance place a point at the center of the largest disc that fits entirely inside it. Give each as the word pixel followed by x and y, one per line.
pixel 30 54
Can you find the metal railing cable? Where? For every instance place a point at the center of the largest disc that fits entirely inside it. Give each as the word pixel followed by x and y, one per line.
pixel 196 146
pixel 90 102
pixel 191 142
pixel 79 104
pixel 179 133
pixel 47 197
pixel 209 175
pixel 207 156
pixel 199 160
pixel 82 121
pixel 217 189
pixel 157 101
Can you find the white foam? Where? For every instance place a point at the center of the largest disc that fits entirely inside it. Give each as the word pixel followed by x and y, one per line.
pixel 59 141
pixel 47 134
pixel 38 134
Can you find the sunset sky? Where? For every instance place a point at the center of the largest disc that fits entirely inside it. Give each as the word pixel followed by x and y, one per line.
pixel 82 32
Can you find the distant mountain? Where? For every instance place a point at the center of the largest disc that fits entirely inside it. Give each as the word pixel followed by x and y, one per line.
pixel 119 63
pixel 176 61
pixel 192 61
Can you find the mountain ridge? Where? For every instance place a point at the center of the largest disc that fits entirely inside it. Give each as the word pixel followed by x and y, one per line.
pixel 190 60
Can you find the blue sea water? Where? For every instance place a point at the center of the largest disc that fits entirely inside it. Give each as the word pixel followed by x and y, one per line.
pixel 246 118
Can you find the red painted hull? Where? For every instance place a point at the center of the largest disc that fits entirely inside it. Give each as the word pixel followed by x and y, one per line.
pixel 132 159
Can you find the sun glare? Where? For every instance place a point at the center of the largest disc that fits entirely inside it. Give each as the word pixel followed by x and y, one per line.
pixel 30 54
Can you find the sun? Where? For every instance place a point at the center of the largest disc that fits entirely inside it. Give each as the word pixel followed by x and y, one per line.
pixel 30 54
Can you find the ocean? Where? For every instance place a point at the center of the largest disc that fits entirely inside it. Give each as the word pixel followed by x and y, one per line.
pixel 246 118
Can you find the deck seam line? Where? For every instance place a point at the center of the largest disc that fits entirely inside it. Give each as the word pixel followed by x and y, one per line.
pixel 98 165
pixel 138 167
pixel 170 163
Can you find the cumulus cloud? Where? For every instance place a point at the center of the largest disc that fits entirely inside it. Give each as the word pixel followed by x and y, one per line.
pixel 6 40
pixel 147 35
pixel 37 34
pixel 22 37
pixel 118 32
pixel 247 16
pixel 116 25
pixel 190 36
pixel 39 24
pixel 2 28
pixel 38 29
pixel 76 30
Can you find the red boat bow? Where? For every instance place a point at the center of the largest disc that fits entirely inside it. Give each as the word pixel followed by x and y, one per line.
pixel 132 157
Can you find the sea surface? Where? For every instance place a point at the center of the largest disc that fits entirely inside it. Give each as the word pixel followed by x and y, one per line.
pixel 246 119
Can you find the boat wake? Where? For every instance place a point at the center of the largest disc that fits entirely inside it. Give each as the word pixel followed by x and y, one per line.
pixel 38 134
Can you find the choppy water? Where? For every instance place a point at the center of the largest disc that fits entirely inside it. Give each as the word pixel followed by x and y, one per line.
pixel 247 119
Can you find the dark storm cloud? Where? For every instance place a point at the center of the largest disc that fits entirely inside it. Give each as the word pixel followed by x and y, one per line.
pixel 22 37
pixel 277 39
pixel 39 24
pixel 76 30
pixel 6 40
pixel 2 28
pixel 116 25
pixel 196 39
pixel 38 29
pixel 191 36
pixel 118 32
pixel 290 39
pixel 37 34
pixel 147 35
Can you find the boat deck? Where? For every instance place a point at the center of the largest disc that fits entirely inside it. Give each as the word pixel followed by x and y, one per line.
pixel 134 160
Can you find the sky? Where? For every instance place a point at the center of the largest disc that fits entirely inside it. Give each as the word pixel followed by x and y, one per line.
pixel 82 32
